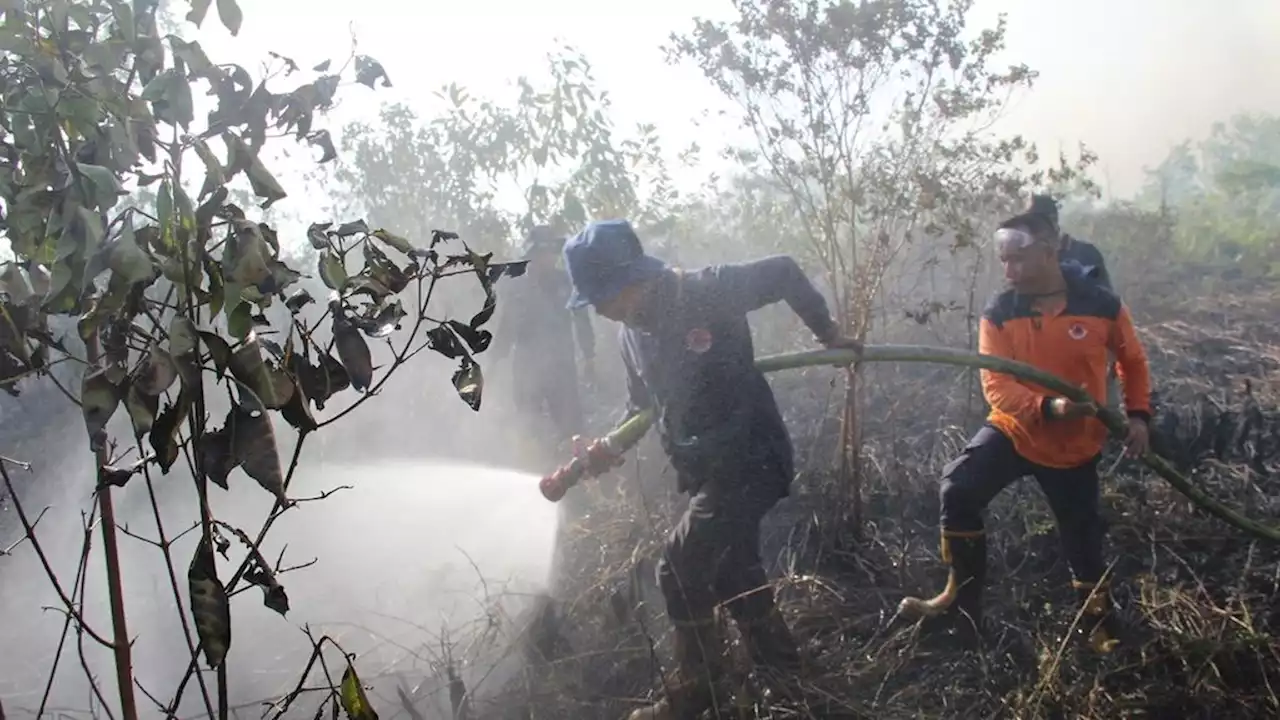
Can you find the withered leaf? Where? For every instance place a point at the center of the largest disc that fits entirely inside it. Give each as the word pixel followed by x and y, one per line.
pixel 210 606
pixel 352 351
pixel 253 444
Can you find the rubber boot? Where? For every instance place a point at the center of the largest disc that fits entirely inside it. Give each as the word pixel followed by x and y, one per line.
pixel 774 652
pixel 690 690
pixel 959 606
pixel 770 643
pixel 1097 626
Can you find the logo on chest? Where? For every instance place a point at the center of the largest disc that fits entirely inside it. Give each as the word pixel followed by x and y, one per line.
pixel 698 340
pixel 1077 331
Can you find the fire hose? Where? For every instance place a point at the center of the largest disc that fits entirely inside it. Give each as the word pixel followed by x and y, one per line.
pixel 599 458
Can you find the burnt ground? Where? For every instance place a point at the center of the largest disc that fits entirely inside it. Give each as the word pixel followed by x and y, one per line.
pixel 1197 595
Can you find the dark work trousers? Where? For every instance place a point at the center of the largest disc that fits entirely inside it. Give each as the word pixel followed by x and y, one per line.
pixel 989 464
pixel 713 554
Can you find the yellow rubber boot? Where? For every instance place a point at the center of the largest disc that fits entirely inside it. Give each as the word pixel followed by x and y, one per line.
pixel 1097 625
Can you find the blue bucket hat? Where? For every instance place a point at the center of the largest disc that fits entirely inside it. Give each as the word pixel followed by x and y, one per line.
pixel 605 258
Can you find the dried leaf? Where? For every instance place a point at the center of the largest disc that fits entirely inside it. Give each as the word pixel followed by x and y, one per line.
pixel 271 385
pixel 215 456
pixel 210 606
pixel 469 382
pixel 395 241
pixel 142 411
pixel 230 15
pixel 253 445
pixel 219 352
pixel 352 351
pixel 99 398
pixel 332 271
pixel 354 700
pixel 127 259
pixel 182 336
pixel 156 373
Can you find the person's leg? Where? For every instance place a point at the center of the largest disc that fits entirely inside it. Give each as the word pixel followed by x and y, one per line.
pixel 685 578
pixel 740 581
pixel 1073 496
pixel 987 465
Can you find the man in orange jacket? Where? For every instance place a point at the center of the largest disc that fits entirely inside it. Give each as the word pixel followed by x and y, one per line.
pixel 1056 319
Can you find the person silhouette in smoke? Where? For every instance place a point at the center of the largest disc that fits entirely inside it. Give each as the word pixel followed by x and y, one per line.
pixel 538 332
pixel 1065 324
pixel 687 349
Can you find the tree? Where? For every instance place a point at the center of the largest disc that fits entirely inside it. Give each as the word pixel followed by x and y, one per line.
pixel 171 301
pixel 1225 192
pixel 874 118
pixel 554 144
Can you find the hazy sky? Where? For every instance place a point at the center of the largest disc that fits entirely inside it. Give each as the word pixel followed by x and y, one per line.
pixel 1128 77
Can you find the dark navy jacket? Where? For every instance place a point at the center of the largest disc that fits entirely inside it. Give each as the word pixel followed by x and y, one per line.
pixel 695 365
pixel 1087 257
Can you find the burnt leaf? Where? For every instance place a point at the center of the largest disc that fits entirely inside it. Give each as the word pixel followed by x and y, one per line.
pixel 395 241
pixel 199 8
pixel 231 16
pixel 164 433
pixel 271 385
pixel 299 299
pixel 354 700
pixel 240 321
pixel 469 382
pixel 219 352
pixel 442 340
pixel 253 447
pixel 355 227
pixel 182 336
pixel 332 271
pixel 380 268
pixel 369 71
pixel 322 140
pixel 99 398
pixel 216 459
pixel 477 340
pixel 156 373
pixel 142 410
pixel 353 351
pixel 319 383
pixel 381 320
pixel 210 606
pixel 317 237
pixel 297 412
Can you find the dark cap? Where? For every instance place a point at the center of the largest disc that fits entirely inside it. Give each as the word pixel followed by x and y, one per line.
pixel 1043 205
pixel 605 258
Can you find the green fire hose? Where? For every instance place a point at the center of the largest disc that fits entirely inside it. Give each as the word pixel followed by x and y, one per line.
pixel 597 460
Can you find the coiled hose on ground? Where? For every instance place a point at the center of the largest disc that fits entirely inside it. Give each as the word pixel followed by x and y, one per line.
pixel 626 435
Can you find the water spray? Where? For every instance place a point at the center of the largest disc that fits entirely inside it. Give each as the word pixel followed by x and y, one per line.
pixel 599 457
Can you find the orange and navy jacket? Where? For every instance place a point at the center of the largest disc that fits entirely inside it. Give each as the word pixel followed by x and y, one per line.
pixel 1073 345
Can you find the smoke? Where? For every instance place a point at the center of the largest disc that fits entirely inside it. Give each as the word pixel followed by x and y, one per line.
pixel 413 558
pixel 434 552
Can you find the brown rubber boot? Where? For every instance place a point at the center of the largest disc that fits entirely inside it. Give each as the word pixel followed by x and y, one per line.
pixel 1097 625
pixel 958 607
pixel 691 689
pixel 774 652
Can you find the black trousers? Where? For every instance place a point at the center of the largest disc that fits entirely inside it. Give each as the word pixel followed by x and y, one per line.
pixel 713 554
pixel 989 464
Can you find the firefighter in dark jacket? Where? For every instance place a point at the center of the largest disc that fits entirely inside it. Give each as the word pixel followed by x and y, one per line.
pixel 1056 319
pixel 538 332
pixel 687 348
